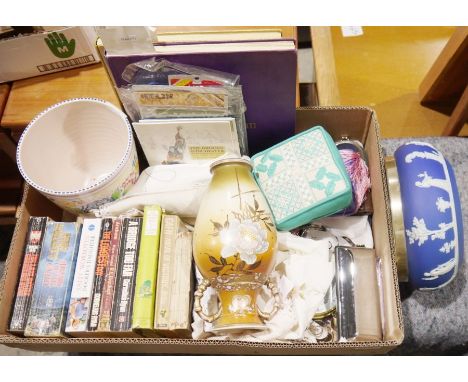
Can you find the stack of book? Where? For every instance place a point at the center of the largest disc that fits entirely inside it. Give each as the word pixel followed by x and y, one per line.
pixel 265 62
pixel 110 277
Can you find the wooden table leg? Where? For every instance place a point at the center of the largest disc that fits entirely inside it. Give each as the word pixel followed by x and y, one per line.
pixel 459 116
pixel 7 146
pixel 448 76
pixel 325 69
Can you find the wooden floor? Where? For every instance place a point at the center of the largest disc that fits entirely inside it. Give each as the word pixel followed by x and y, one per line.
pixel 383 68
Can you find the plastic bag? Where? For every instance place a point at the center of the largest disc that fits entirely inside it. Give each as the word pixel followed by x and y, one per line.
pixel 163 72
pixel 164 101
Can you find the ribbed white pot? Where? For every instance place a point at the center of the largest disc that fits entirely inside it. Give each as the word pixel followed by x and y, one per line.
pixel 80 153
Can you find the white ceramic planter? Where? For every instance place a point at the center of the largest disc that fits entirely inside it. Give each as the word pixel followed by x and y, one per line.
pixel 80 153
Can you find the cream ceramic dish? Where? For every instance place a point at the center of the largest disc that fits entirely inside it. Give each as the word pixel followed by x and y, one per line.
pixel 80 153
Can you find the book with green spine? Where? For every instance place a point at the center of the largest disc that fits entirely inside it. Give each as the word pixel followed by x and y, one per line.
pixel 147 270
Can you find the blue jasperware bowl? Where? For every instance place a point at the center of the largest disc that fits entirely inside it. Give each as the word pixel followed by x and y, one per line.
pixel 432 216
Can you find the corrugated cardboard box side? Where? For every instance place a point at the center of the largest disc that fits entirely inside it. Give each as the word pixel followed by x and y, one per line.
pixel 354 122
pixel 44 53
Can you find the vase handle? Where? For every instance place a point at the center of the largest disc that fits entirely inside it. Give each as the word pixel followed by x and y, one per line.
pixel 275 292
pixel 197 303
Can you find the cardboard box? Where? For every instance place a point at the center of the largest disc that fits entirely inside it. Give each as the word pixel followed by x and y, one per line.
pixel 354 122
pixel 47 52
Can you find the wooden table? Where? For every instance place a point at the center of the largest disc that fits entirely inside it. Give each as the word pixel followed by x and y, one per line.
pixel 10 180
pixel 7 148
pixel 445 87
pixel 30 96
pixel 325 69
pixel 4 91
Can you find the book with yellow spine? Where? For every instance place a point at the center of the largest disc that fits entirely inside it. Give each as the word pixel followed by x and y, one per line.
pixel 145 288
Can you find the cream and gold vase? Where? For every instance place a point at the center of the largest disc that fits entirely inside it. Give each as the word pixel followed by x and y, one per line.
pixel 234 247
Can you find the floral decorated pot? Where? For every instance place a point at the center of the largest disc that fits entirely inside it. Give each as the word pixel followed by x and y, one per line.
pixel 431 215
pixel 79 153
pixel 234 246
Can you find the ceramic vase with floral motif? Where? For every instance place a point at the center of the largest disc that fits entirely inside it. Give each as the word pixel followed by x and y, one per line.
pixel 234 244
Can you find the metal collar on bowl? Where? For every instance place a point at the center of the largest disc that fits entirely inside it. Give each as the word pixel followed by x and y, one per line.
pixel 397 218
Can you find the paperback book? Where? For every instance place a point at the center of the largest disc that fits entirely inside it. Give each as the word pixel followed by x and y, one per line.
pixel 32 251
pixel 174 290
pixel 82 290
pixel 105 311
pixel 125 287
pixel 51 295
pixel 143 305
pixel 102 262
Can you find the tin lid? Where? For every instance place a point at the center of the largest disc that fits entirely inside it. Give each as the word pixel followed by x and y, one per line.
pixel 231 159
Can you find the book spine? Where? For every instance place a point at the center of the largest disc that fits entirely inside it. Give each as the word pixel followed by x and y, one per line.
pixel 169 229
pixel 182 306
pixel 109 281
pixel 145 288
pixel 102 262
pixel 125 287
pixel 82 290
pixel 52 289
pixel 175 286
pixel 32 250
